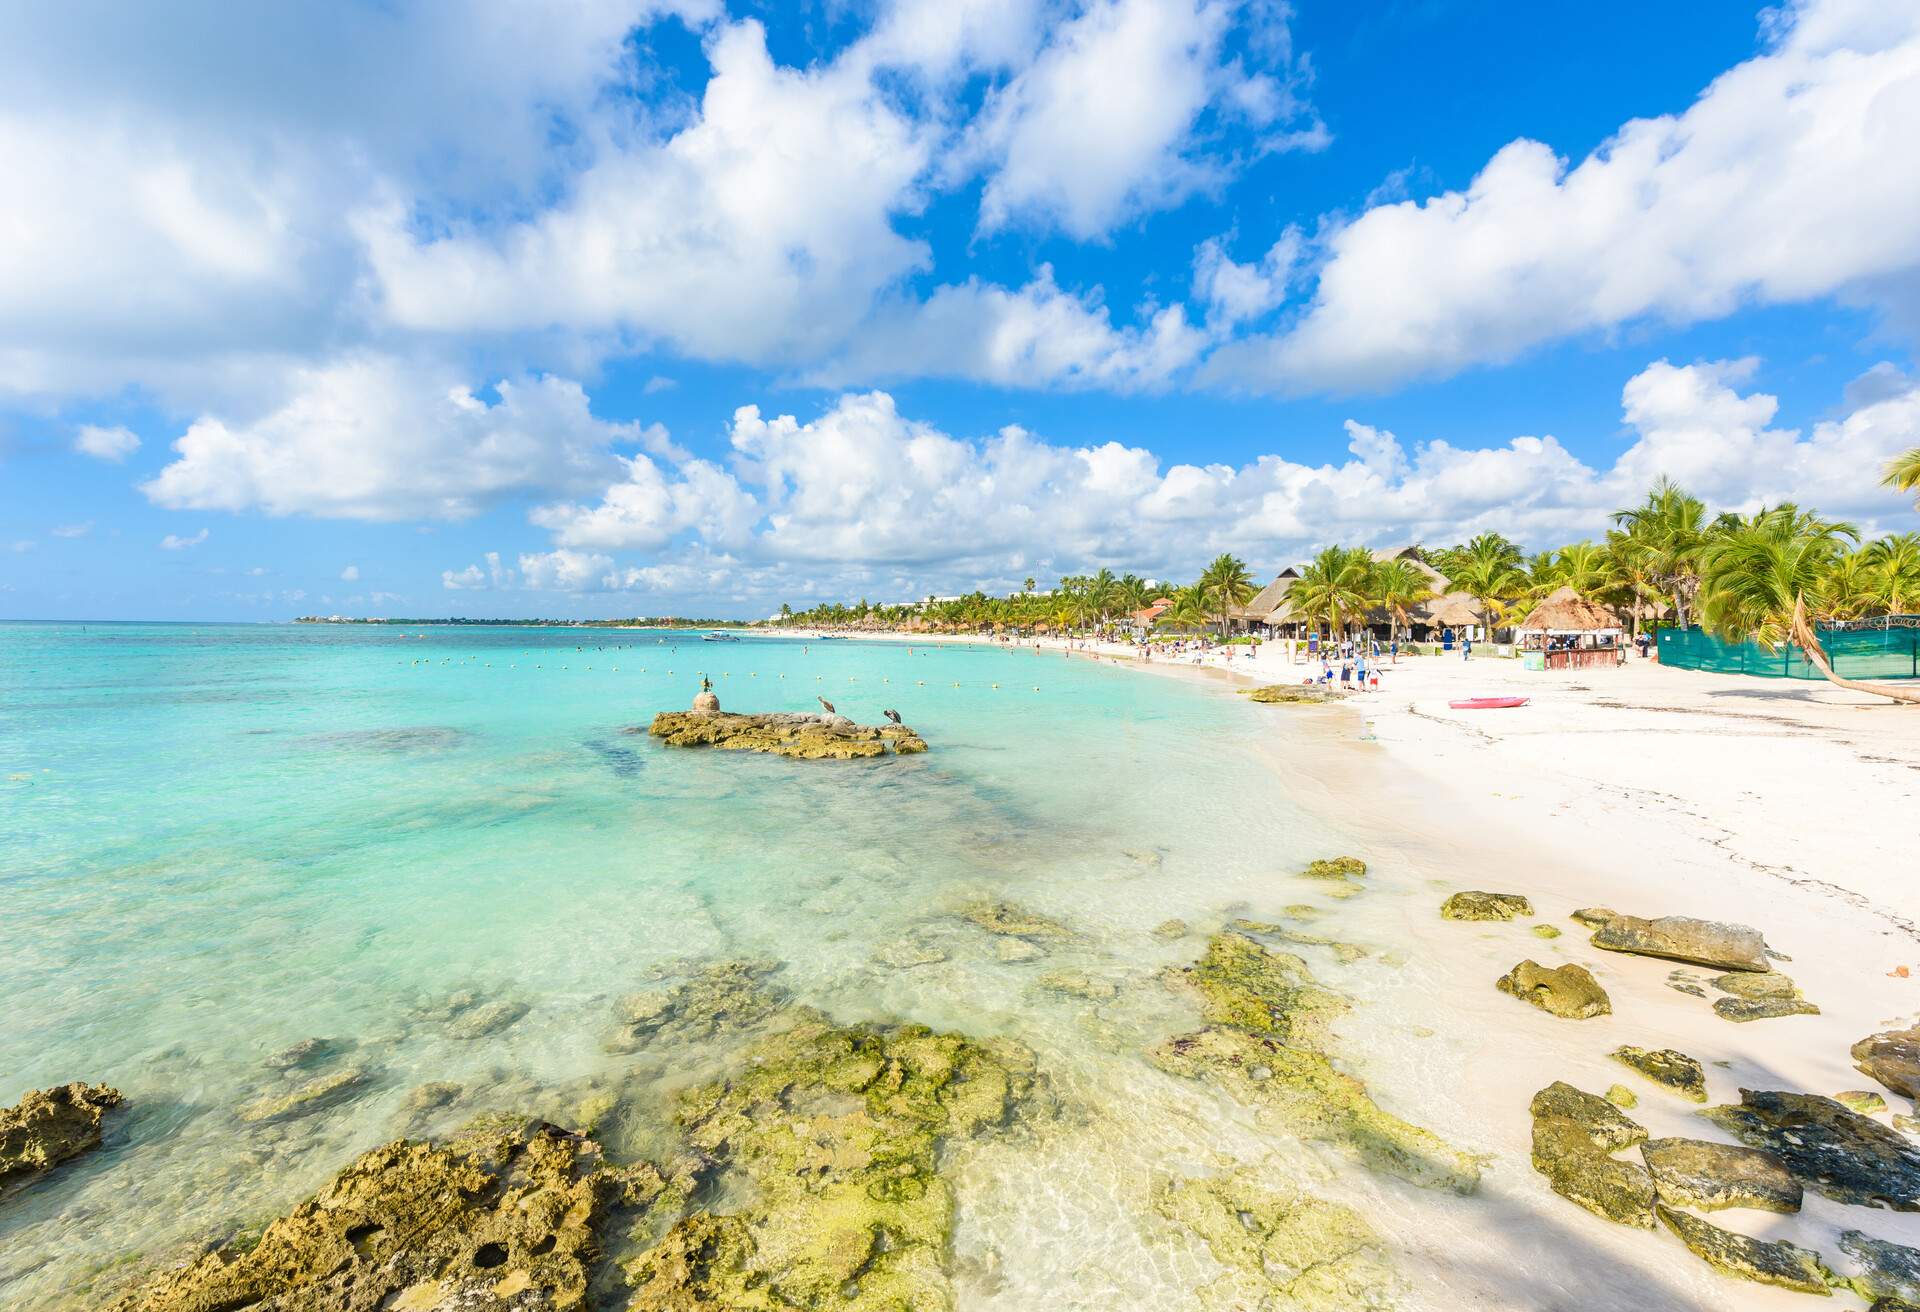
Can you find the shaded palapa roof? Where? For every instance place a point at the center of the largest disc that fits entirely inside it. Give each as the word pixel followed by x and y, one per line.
pixel 1566 611
pixel 1451 610
pixel 1268 599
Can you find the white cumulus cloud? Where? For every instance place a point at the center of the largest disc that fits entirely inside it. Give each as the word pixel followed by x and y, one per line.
pixel 115 444
pixel 174 542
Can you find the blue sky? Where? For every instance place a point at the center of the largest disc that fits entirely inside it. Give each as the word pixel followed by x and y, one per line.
pixel 663 306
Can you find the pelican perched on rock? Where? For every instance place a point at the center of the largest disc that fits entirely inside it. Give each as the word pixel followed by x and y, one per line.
pixel 892 715
pixel 829 705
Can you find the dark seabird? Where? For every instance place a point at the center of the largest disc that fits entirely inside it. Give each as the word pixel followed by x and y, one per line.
pixel 892 715
pixel 829 705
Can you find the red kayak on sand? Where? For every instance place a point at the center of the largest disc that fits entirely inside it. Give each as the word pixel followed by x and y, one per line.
pixel 1486 703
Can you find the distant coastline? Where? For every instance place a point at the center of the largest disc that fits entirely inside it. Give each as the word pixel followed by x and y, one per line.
pixel 636 622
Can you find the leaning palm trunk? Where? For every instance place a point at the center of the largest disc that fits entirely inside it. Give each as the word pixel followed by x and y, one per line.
pixel 1810 644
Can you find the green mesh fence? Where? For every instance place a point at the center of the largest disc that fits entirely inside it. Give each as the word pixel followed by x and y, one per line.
pixel 1891 651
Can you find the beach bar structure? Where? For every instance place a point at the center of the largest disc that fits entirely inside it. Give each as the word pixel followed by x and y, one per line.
pixel 1570 633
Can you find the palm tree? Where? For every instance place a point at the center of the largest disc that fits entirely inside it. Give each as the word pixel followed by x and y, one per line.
pixel 1896 563
pixel 1397 588
pixel 1134 594
pixel 1226 584
pixel 1333 587
pixel 1765 575
pixel 1188 611
pixel 1488 569
pixel 1903 472
pixel 1103 595
pixel 1851 588
pixel 1670 529
pixel 1027 587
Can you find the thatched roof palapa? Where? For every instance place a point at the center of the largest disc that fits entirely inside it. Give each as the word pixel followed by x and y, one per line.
pixel 1453 610
pixel 1566 611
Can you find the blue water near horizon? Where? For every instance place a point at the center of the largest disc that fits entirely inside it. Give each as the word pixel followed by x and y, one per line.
pixel 219 841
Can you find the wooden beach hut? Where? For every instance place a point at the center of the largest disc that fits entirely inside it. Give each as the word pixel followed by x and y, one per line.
pixel 1571 632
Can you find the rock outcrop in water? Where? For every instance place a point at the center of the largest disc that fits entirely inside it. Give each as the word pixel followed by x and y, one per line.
pixel 1776 1263
pixel 1280 1247
pixel 716 998
pixel 1569 992
pixel 779 733
pixel 1265 1043
pixel 1846 1156
pixel 1475 905
pixel 1575 1137
pixel 1338 876
pixel 836 1132
pixel 496 1220
pixel 1292 694
pixel 50 1126
pixel 1011 921
pixel 1682 938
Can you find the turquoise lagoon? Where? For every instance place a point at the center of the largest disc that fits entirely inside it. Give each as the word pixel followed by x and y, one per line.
pixel 219 841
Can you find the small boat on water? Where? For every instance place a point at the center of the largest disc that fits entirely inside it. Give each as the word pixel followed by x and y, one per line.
pixel 1487 703
pixel 719 637
pixel 831 637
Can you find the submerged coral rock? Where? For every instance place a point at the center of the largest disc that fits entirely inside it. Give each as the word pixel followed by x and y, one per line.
pixel 1345 953
pixel 1337 867
pixel 908 952
pixel 1570 991
pixel 1078 984
pixel 1017 922
pixel 1264 1044
pixel 1836 1152
pixel 307 1052
pixel 837 1131
pixel 1664 1066
pixel 1280 1248
pixel 1778 1263
pixel 1893 1058
pixel 1708 1176
pixel 312 1096
pixel 1475 905
pixel 485 1020
pixel 1575 1135
pixel 496 1222
pixel 1682 938
pixel 1170 929
pixel 1887 1270
pixel 49 1126
pixel 719 997
pixel 805 737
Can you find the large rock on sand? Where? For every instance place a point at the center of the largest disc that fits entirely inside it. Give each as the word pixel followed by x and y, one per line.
pixel 1575 1137
pixel 1890 1271
pixel 1681 938
pixel 1664 1066
pixel 1893 1058
pixel 1570 992
pixel 1708 1176
pixel 49 1126
pixel 1842 1154
pixel 1779 1263
pixel 1475 905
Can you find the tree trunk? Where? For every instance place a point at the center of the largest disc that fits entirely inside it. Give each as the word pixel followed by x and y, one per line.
pixel 1810 644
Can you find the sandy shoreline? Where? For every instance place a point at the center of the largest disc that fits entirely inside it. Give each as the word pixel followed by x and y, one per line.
pixel 1789 806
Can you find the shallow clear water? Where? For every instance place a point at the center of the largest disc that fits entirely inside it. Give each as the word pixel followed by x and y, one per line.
pixel 220 841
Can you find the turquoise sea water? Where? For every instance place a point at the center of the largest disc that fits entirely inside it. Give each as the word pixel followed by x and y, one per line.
pixel 217 842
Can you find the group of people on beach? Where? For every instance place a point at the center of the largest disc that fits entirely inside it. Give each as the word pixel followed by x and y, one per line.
pixel 1359 665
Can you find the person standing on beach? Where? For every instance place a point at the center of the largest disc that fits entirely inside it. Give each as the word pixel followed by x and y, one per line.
pixel 1466 648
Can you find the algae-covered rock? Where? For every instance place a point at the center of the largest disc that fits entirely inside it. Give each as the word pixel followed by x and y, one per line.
pixel 1345 953
pixel 1664 1066
pixel 1290 694
pixel 1701 1174
pixel 50 1126
pixel 1575 1135
pixel 316 1094
pixel 1864 1101
pixel 1682 938
pixel 499 1221
pixel 1570 991
pixel 837 1131
pixel 486 1020
pixel 1281 1248
pixel 1622 1097
pixel 1893 1058
pixel 1016 949
pixel 908 952
pixel 1777 1263
pixel 1078 984
pixel 803 737
pixel 1887 1270
pixel 1741 1010
pixel 1546 931
pixel 1836 1152
pixel 1337 867
pixel 307 1052
pixel 717 998
pixel 1170 929
pixel 1265 1045
pixel 1475 905
pixel 1593 917
pixel 1005 918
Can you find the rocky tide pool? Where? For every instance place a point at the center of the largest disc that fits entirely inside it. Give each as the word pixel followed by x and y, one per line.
pixel 1075 1009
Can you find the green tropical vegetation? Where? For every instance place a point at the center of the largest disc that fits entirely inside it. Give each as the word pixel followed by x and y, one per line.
pixel 1770 577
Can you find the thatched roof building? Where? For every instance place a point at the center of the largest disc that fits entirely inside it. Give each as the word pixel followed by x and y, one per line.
pixel 1566 611
pixel 1261 607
